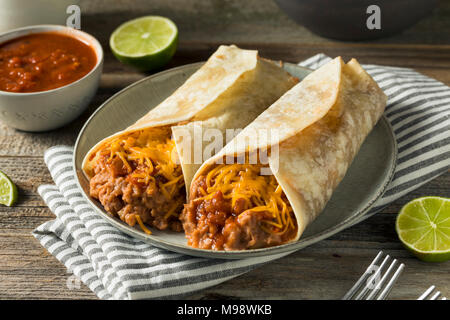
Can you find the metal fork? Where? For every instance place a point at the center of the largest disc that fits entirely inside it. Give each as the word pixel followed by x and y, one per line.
pixel 376 278
pixel 427 295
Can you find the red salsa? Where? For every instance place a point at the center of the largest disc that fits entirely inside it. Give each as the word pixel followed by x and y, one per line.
pixel 43 61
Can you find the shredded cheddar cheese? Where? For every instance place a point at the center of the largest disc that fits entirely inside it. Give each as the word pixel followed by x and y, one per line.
pixel 149 157
pixel 142 225
pixel 261 193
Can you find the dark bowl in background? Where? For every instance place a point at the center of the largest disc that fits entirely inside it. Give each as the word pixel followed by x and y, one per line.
pixel 346 19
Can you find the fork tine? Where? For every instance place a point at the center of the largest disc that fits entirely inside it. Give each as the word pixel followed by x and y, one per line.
pixel 361 280
pixel 436 295
pixel 370 282
pixel 391 283
pixel 382 281
pixel 426 293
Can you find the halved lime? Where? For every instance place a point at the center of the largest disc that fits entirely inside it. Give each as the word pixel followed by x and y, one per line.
pixel 8 190
pixel 423 225
pixel 146 43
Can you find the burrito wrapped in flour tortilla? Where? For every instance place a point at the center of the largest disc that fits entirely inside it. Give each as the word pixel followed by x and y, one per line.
pixel 137 174
pixel 240 199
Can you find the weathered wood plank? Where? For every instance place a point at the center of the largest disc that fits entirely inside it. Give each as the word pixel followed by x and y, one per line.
pixel 29 272
pixel 421 58
pixel 238 21
pixel 326 272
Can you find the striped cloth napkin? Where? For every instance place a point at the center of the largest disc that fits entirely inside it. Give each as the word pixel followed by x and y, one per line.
pixel 116 266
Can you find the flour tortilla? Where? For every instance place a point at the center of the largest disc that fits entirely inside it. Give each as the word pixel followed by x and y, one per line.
pixel 320 124
pixel 229 91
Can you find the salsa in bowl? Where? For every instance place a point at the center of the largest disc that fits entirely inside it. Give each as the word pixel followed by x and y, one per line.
pixel 43 61
pixel 48 75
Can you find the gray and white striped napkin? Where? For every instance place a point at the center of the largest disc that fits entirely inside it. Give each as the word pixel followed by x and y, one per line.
pixel 116 266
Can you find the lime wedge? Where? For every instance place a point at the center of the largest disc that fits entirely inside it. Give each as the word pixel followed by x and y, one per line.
pixel 146 43
pixel 8 190
pixel 423 225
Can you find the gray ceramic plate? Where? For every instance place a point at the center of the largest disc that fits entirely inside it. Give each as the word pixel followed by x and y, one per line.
pixel 364 183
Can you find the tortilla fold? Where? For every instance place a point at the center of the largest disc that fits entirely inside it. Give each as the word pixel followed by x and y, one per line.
pixel 229 91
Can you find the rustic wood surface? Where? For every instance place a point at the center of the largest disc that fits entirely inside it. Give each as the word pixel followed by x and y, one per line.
pixel 322 271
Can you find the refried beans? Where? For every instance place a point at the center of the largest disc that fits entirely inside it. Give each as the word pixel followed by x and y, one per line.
pixel 232 216
pixel 135 178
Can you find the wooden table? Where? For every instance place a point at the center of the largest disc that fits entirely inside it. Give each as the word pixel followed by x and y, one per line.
pixel 322 271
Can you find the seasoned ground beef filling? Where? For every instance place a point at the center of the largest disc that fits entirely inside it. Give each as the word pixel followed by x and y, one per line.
pixel 133 181
pixel 228 218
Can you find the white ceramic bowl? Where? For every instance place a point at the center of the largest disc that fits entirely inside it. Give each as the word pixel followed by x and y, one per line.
pixel 51 109
pixel 22 13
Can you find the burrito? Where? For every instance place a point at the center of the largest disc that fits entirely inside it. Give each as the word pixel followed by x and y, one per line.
pixel 276 176
pixel 139 174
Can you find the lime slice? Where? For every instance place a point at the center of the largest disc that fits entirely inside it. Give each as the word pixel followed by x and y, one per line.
pixel 423 225
pixel 8 190
pixel 146 43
